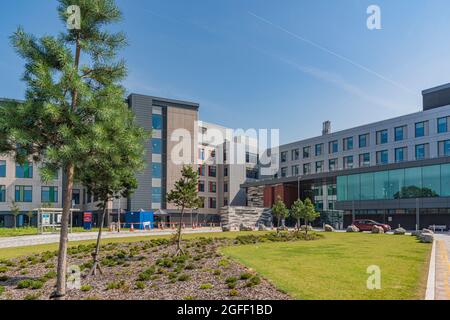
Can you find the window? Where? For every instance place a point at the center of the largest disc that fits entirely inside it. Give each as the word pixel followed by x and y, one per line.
pixel 420 129
pixel 332 191
pixel 84 196
pixel 157 122
pixel 202 170
pixel 295 155
pixel 157 146
pixel 348 162
pixel 421 151
pixel 24 194
pixel 364 140
pixel 25 171
pixel 225 172
pixel 284 156
pixel 89 197
pixel 2 194
pixel 76 193
pixel 295 170
pixel 212 187
pixel 212 203
pixel 382 157
pixel 333 147
pixel 225 187
pixel 201 154
pixel 49 194
pixel 401 154
pixel 201 186
pixel 364 160
pixel 400 133
pixel 2 168
pixel 251 158
pixel 283 172
pixel 212 171
pixel 319 149
pixel 333 164
pixel 225 202
pixel 348 144
pixel 157 170
pixel 442 125
pixel 382 137
pixel 306 152
pixel 156 195
pixel 307 168
pixel 252 173
pixel 319 166
pixel 444 148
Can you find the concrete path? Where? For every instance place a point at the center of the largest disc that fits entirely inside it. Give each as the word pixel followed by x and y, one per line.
pixel 24 241
pixel 442 267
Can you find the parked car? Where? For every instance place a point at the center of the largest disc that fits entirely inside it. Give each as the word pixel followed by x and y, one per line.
pixel 367 225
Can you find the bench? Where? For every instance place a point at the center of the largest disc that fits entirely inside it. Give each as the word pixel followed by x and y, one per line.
pixel 442 228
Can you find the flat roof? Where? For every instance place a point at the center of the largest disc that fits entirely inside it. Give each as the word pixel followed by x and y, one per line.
pixel 436 89
pixel 175 102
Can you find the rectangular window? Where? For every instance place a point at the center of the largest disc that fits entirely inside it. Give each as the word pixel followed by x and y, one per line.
pixel 401 154
pixel 284 172
pixel 2 193
pixel 157 122
pixel 212 171
pixel 319 166
pixel 319 149
pixel 295 155
pixel 212 203
pixel 156 146
pixel 382 157
pixel 333 164
pixel 348 144
pixel 364 160
pixel 157 170
pixel 24 171
pixel 49 194
pixel 76 194
pixel 2 168
pixel 225 172
pixel 295 170
pixel 157 195
pixel 202 170
pixel 225 202
pixel 225 187
pixel 382 137
pixel 364 140
pixel 400 133
pixel 284 156
pixel 421 151
pixel 442 124
pixel 251 158
pixel 201 154
pixel 212 187
pixel 348 162
pixel 307 168
pixel 201 186
pixel 420 129
pixel 444 148
pixel 252 173
pixel 306 152
pixel 333 147
pixel 24 194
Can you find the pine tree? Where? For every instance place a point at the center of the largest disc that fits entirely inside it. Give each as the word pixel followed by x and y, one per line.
pixel 71 81
pixel 185 196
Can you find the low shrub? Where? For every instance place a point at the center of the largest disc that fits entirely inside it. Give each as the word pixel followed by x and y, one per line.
pixel 245 276
pixel 184 277
pixel 217 272
pixel 2 290
pixel 3 278
pixel 30 284
pixel 140 285
pixel 253 281
pixel 116 285
pixel 32 296
pixel 86 288
pixel 233 293
pixel 3 269
pixel 50 275
pixel 206 286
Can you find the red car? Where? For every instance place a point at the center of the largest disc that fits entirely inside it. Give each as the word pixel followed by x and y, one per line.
pixel 367 225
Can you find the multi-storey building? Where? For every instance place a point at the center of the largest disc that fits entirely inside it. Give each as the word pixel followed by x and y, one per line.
pixel 396 171
pixel 178 138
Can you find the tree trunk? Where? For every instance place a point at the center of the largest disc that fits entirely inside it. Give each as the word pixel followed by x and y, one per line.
pixel 306 226
pixel 96 264
pixel 299 225
pixel 62 253
pixel 179 250
pixel 278 224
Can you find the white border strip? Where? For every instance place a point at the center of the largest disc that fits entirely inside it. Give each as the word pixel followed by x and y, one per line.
pixel 431 284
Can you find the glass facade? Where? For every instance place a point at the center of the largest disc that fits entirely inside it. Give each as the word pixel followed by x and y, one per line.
pixel 157 170
pixel 156 195
pixel 156 146
pixel 410 183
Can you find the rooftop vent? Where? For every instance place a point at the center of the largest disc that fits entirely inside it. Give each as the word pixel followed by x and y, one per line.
pixel 326 128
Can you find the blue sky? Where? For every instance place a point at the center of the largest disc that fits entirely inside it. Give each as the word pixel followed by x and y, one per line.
pixel 287 64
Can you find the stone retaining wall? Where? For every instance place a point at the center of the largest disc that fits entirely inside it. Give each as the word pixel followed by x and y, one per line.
pixel 234 217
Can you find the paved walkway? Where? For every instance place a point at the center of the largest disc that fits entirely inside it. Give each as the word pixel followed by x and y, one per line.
pixel 442 286
pixel 24 241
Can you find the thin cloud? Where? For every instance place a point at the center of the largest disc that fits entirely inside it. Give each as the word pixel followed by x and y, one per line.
pixel 337 55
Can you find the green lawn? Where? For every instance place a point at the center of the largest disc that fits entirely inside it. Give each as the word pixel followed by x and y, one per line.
pixel 31 231
pixel 9 253
pixel 335 268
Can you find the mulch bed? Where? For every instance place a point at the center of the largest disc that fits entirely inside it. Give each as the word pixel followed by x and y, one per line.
pixel 141 271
